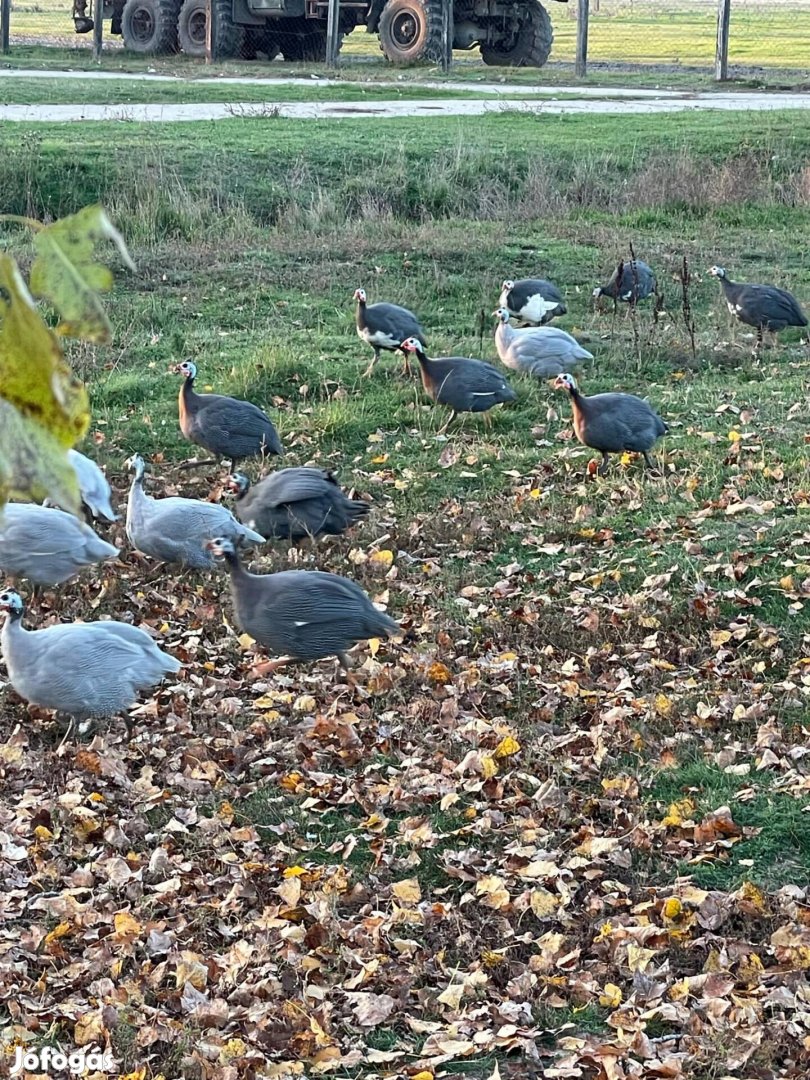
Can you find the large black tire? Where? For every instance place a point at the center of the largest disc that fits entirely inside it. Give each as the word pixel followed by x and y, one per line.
pixel 149 27
pixel 192 27
pixel 528 44
pixel 411 30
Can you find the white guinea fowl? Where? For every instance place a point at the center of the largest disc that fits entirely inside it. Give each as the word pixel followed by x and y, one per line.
pixel 175 530
pixel 86 670
pixel 47 546
pixel 95 491
pixel 542 351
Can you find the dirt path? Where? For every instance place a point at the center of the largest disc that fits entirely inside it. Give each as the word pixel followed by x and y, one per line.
pixel 177 113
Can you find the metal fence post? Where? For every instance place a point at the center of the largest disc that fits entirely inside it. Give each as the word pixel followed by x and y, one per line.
pixel 5 18
pixel 447 35
pixel 98 28
pixel 582 38
pixel 333 34
pixel 723 27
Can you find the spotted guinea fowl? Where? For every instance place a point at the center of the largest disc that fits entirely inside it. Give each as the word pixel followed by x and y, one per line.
pixel 631 282
pixel 463 385
pixel 296 503
pixel 385 326
pixel 613 423
pixel 95 491
pixel 763 306
pixel 534 301
pixel 175 530
pixel 47 546
pixel 541 351
pixel 86 670
pixel 224 426
pixel 301 614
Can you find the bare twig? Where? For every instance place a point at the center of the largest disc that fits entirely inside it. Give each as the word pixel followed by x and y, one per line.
pixel 685 276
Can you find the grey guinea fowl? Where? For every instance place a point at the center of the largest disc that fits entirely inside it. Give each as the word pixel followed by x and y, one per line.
pixel 385 326
pixel 763 306
pixel 613 423
pixel 631 282
pixel 542 351
pixel 175 530
pixel 462 384
pixel 47 546
pixel 224 426
pixel 95 491
pixel 85 670
pixel 296 503
pixel 534 301
pixel 302 614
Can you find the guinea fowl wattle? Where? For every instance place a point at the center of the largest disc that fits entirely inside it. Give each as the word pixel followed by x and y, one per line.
pixel 613 423
pixel 224 426
pixel 463 384
pixel 293 504
pixel 301 614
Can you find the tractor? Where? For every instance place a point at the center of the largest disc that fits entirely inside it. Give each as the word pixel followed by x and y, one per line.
pixel 515 33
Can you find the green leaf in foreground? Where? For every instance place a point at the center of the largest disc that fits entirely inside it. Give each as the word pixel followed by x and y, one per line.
pixel 65 271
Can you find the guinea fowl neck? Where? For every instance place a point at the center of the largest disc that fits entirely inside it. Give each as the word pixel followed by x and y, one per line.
pixel 235 568
pixel 361 313
pixel 188 396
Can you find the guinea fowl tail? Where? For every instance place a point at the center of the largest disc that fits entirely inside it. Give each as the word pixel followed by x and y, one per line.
pixel 385 626
pixel 250 536
pixel 356 509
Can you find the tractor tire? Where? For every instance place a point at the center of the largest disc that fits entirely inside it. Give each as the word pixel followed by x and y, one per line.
pixel 529 46
pixel 149 27
pixel 192 29
pixel 411 30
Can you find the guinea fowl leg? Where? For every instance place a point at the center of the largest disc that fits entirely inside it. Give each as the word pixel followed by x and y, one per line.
pixel 195 463
pixel 605 462
pixel 448 422
pixel 648 463
pixel 268 667
pixel 374 360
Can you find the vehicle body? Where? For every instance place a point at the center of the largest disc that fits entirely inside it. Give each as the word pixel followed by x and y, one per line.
pixel 514 33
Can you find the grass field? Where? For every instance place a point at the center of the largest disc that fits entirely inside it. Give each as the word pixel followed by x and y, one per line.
pixel 563 823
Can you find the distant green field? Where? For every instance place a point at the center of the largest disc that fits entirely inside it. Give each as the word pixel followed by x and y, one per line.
pixel 621 32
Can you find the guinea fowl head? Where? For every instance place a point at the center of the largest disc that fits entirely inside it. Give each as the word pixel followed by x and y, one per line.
pixel 360 294
pixel 135 463
pixel 411 344
pixel 717 271
pixel 11 602
pixel 237 483
pixel 597 292
pixel 566 382
pixel 507 286
pixel 502 314
pixel 188 369
pixel 221 548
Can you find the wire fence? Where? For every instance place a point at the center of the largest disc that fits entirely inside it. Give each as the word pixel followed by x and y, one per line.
pixel 665 34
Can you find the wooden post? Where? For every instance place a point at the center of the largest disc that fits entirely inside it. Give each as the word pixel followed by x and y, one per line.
pixel 98 28
pixel 448 30
pixel 582 38
pixel 723 26
pixel 210 33
pixel 5 18
pixel 333 34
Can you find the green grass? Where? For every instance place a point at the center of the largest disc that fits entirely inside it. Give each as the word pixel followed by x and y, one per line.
pixel 250 240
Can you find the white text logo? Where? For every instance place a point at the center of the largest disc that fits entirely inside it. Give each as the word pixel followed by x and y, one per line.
pixel 49 1059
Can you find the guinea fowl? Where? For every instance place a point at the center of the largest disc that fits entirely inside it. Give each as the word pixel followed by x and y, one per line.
pixel 301 614
pixel 463 385
pixel 385 326
pixel 87 670
pixel 613 423
pixel 763 306
pixel 631 282
pixel 175 530
pixel 47 546
pixel 296 503
pixel 95 491
pixel 542 351
pixel 224 426
pixel 534 301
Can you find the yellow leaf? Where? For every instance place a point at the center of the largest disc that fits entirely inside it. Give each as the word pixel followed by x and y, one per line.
pixel 734 436
pixel 293 871
pixel 88 1029
pixel 66 274
pixel 424 1075
pixel 191 969
pixel 304 704
pixel 489 766
pixel 127 928
pixel 507 747
pixel 374 646
pixel 719 637
pixel 786 583
pixel 407 891
pixel 451 997
pixel 543 903
pixel 637 957
pixel 42 832
pixel 611 996
pixel 678 813
pixel 753 896
pixel 626 458
pixel 663 704
pixel 535 493
pixel 58 932
pixel 439 673
pixel 246 641
pixel 673 908
pixel 290 891
pixel 493 890
pixel 382 558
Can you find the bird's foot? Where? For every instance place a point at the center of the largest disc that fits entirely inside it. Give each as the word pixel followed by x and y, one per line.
pixel 268 667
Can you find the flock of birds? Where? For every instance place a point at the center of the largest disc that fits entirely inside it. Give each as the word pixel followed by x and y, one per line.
pixel 97 669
